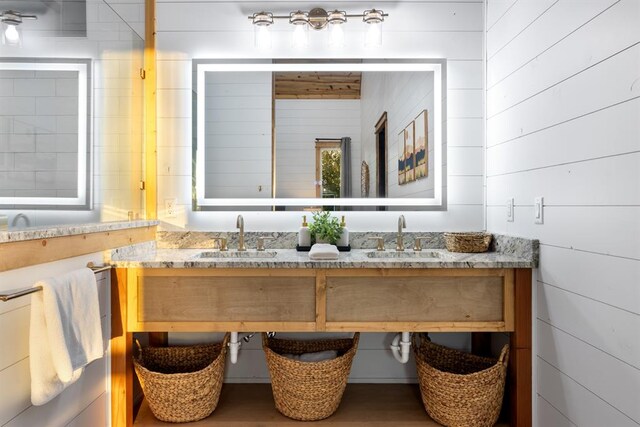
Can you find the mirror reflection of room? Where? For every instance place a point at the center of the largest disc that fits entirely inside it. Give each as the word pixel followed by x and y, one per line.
pixel 308 134
pixel 71 103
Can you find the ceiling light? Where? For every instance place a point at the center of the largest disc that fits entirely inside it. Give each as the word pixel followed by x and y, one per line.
pixel 10 27
pixel 319 19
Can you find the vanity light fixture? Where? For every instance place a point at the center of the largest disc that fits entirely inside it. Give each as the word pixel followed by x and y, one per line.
pixel 318 19
pixel 10 27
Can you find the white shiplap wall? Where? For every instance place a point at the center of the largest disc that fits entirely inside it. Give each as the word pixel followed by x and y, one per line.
pixel 298 123
pixel 563 122
pixel 453 30
pixel 84 403
pixel 420 29
pixel 237 128
pixel 403 96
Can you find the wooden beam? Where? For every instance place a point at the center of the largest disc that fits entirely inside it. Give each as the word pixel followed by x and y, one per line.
pixel 317 85
pixel 321 300
pixel 121 353
pixel 31 252
pixel 150 120
pixel 436 326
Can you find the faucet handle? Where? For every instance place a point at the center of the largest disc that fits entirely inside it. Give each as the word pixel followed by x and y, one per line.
pixel 223 243
pixel 380 242
pixel 261 239
pixel 417 247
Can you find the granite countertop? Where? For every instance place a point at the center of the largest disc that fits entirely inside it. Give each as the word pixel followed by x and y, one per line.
pixel 50 231
pixel 152 257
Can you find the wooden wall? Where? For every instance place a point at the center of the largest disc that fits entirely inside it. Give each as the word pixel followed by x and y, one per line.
pixel 563 122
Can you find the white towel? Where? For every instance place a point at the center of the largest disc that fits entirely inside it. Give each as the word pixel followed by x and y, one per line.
pixel 318 356
pixel 323 251
pixel 65 333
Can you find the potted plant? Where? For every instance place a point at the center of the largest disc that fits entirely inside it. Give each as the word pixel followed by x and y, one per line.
pixel 325 228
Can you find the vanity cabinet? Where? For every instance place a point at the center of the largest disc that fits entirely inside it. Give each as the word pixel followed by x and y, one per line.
pixel 307 300
pixel 473 300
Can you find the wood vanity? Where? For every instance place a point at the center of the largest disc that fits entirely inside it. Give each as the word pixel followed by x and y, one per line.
pixel 475 300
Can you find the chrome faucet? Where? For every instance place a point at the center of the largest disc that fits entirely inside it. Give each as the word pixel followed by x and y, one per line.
pixel 400 241
pixel 240 225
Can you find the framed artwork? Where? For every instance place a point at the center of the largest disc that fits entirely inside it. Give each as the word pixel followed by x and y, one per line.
pixel 401 171
pixel 421 145
pixel 409 166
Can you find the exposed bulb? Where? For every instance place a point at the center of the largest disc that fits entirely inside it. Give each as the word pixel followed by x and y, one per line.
pixel 11 35
pixel 373 37
pixel 336 35
pixel 262 36
pixel 300 36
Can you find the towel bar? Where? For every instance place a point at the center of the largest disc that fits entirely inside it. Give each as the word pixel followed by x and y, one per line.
pixel 13 294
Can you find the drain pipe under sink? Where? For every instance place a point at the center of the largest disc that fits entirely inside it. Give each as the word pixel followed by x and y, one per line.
pixel 400 346
pixel 234 348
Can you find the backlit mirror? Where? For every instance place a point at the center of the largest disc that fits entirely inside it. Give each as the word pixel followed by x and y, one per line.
pixel 44 133
pixel 293 135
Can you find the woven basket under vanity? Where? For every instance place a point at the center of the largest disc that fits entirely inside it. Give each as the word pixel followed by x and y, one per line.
pixel 182 383
pixel 308 391
pixel 467 242
pixel 459 389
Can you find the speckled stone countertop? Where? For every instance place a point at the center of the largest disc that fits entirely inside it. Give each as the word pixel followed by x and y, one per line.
pixel 50 231
pixel 290 258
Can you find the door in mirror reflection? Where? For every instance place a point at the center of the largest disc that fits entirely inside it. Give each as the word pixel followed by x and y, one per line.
pixel 328 169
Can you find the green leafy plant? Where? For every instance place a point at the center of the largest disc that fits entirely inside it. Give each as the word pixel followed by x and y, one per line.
pixel 325 227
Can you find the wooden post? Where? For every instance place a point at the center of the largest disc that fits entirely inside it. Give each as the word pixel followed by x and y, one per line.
pixel 121 353
pixel 520 361
pixel 150 126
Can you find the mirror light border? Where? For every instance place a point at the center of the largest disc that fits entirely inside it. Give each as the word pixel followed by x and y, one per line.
pixel 438 66
pixel 82 67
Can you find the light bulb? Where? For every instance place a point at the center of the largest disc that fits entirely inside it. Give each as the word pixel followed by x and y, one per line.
pixel 336 35
pixel 373 37
pixel 11 35
pixel 300 37
pixel 262 34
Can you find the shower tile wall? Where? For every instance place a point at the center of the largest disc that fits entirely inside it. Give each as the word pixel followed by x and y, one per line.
pixel 38 133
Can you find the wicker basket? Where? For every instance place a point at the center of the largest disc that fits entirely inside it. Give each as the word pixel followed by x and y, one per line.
pixel 183 383
pixel 308 391
pixel 467 242
pixel 460 389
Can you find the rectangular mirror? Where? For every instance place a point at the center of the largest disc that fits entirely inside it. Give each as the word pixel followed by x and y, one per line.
pixel 44 133
pixel 362 135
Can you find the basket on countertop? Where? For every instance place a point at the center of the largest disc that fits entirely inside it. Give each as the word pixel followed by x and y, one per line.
pixel 467 242
pixel 460 389
pixel 308 391
pixel 182 383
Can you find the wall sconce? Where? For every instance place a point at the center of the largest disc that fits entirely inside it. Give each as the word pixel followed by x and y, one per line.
pixel 318 19
pixel 11 33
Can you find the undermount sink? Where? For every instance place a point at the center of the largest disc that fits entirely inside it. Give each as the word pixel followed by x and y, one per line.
pixel 236 254
pixel 423 254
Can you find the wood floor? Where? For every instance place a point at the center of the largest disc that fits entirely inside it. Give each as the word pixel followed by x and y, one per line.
pixel 370 405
